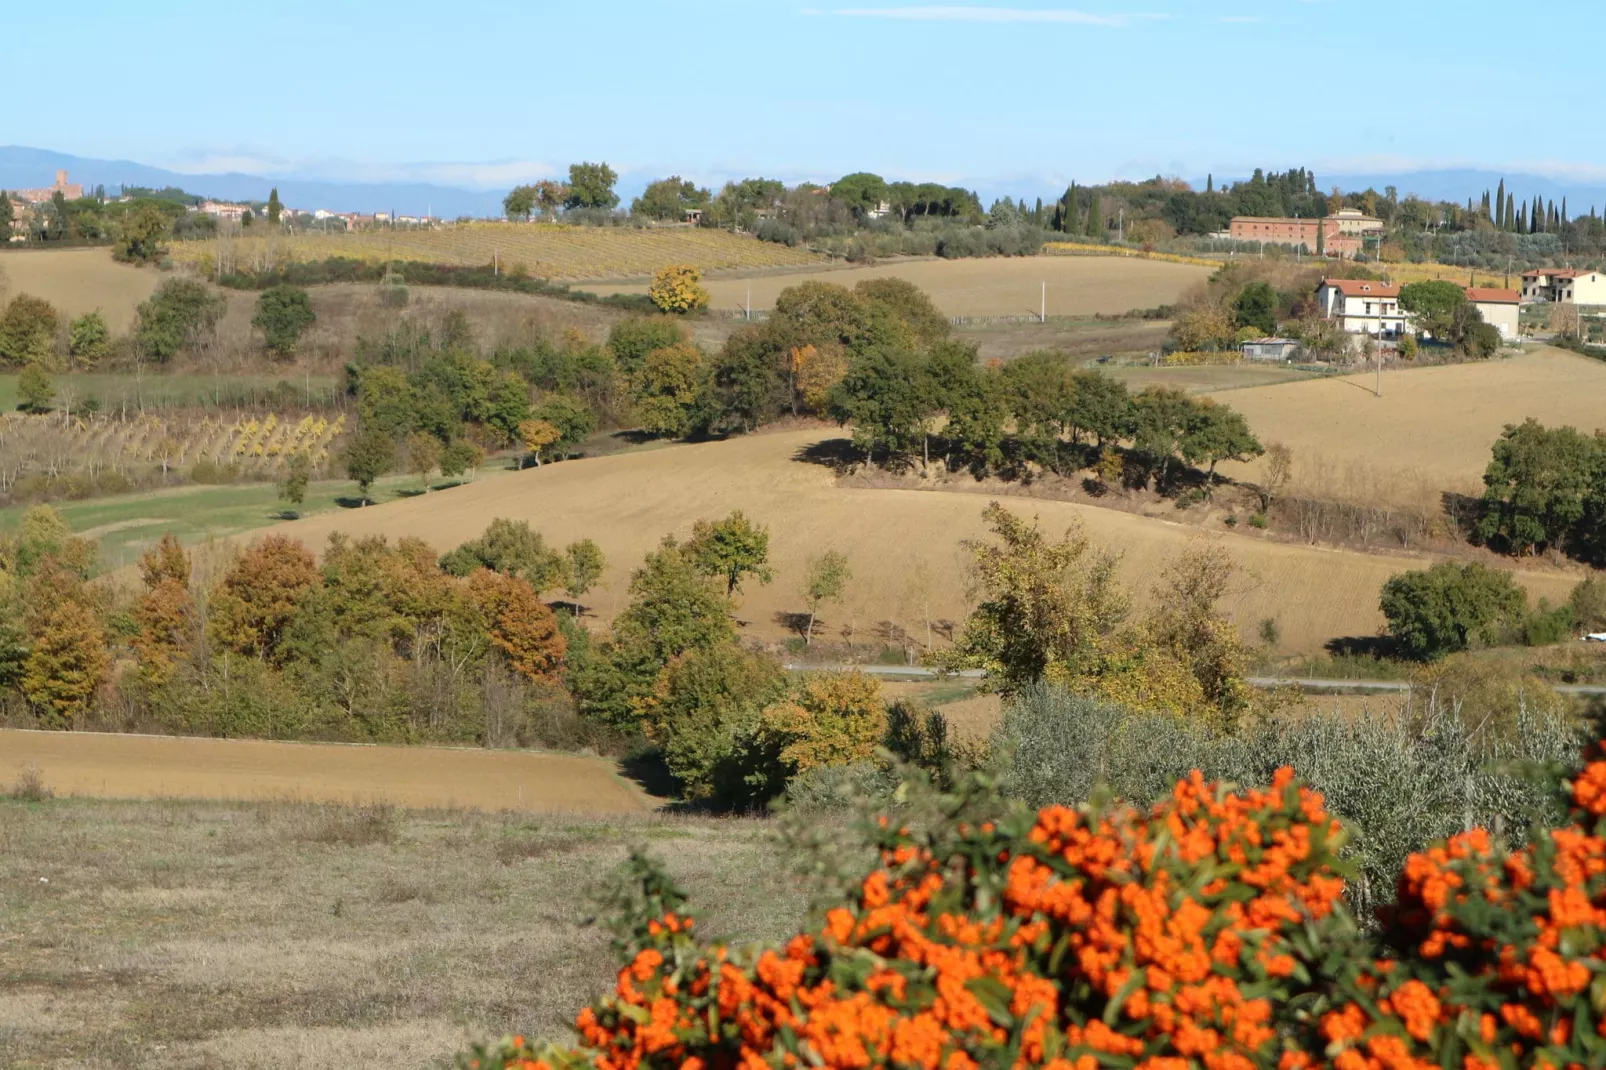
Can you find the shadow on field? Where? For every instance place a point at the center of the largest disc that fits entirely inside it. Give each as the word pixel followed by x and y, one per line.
pixel 1364 646
pixel 797 623
pixel 834 453
pixel 1463 511
pixel 648 771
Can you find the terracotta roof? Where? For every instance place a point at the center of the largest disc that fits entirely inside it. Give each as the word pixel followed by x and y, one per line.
pixel 1362 287
pixel 1492 295
pixel 1556 273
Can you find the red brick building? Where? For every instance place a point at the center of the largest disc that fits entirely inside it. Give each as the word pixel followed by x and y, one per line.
pixel 1273 230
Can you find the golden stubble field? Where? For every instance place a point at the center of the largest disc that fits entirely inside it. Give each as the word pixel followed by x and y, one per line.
pixel 991 286
pixel 904 545
pixel 1432 429
pixel 77 281
pixel 546 250
pixel 162 767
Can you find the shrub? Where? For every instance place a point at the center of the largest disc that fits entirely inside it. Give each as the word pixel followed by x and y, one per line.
pixel 1450 607
pixel 283 314
pixel 678 289
pixel 1209 930
pixel 34 389
pixel 175 316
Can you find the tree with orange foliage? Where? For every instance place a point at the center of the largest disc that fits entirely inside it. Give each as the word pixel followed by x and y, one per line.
pixel 520 625
pixel 165 561
pixel 815 370
pixel 167 627
pixel 256 599
pixel 67 662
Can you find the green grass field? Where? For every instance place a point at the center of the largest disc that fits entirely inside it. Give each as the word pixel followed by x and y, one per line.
pixel 114 390
pixel 127 524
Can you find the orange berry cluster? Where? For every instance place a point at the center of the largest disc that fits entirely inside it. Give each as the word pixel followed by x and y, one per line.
pixel 1207 933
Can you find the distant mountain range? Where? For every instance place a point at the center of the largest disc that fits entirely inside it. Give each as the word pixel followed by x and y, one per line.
pixel 24 168
pixel 28 168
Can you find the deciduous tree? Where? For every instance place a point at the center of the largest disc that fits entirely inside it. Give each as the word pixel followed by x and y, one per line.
pixel 297 474
pixel 825 581
pixel 591 186
pixel 730 549
pixel 423 456
pixel 537 435
pixel 258 596
pixel 88 339
pixel 67 662
pixel 35 389
pixel 585 563
pixel 666 387
pixel 520 625
pixel 28 331
pixel 1450 607
pixel 370 454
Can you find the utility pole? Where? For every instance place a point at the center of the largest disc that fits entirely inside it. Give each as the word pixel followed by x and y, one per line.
pixel 1379 371
pixel 1042 315
pixel 749 303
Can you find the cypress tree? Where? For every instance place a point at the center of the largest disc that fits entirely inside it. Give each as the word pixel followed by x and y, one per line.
pixel 1536 216
pixel 1551 218
pixel 1500 204
pixel 6 216
pixel 1210 183
pixel 1072 224
pixel 274 206
pixel 1522 223
pixel 1510 217
pixel 1095 218
pixel 1037 213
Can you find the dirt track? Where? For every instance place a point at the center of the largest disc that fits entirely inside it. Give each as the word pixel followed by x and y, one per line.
pixel 141 767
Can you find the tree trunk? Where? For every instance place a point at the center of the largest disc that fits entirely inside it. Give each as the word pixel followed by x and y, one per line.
pixel 808 635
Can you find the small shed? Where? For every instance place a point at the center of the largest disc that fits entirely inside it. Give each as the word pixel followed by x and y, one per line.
pixel 1270 349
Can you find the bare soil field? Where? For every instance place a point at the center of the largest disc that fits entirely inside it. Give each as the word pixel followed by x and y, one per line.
pixel 1430 431
pixel 904 546
pixel 277 936
pixel 77 281
pixel 160 767
pixel 990 286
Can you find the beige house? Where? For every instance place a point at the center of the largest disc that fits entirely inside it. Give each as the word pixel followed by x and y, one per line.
pixel 1498 307
pixel 1362 306
pixel 1353 221
pixel 1566 286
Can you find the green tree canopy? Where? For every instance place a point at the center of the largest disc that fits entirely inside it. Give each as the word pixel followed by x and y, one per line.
pixel 1256 306
pixel 861 191
pixel 1433 304
pixel 1539 483
pixel 520 202
pixel 669 199
pixel 28 331
pixel 283 314
pixel 730 549
pixel 591 186
pixel 175 316
pixel 1450 607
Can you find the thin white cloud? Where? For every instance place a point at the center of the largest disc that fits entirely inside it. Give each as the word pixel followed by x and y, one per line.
pixel 1063 16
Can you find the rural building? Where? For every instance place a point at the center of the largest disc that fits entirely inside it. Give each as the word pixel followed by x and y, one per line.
pixel 1499 308
pixel 1327 234
pixel 1270 349
pixel 231 212
pixel 72 191
pixel 1362 306
pixel 1565 286
pixel 1355 222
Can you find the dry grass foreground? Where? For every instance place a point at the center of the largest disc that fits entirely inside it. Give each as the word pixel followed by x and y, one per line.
pixel 276 936
pixel 78 281
pixel 160 767
pixel 546 250
pixel 1431 430
pixel 903 545
pixel 993 286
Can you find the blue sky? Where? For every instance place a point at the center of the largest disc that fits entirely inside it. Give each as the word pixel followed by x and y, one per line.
pixel 488 92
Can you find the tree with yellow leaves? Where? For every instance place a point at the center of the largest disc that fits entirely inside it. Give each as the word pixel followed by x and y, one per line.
pixel 537 436
pixel 67 662
pixel 832 718
pixel 815 370
pixel 678 288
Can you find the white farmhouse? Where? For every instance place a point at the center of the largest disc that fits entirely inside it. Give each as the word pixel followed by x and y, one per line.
pixel 1566 286
pixel 1362 306
pixel 1499 308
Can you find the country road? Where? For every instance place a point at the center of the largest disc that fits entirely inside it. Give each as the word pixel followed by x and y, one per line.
pixel 920 672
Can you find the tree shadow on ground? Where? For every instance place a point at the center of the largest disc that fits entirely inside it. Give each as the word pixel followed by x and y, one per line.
pixel 796 623
pixel 352 503
pixel 649 772
pixel 1364 646
pixel 836 454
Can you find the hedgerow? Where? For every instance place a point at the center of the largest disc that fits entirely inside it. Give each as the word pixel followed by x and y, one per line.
pixel 1207 931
